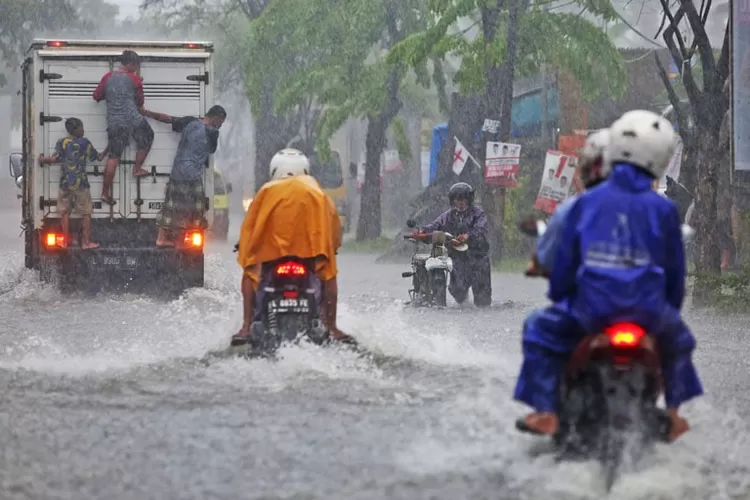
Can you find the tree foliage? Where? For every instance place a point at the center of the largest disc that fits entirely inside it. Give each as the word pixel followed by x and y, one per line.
pixel 333 51
pixel 23 20
pixel 567 41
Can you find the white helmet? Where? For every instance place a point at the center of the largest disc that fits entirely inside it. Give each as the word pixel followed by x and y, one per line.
pixel 289 163
pixel 641 138
pixel 592 166
pixel 595 145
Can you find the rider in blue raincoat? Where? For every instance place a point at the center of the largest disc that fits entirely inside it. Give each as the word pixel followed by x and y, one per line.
pixel 468 222
pixel 620 258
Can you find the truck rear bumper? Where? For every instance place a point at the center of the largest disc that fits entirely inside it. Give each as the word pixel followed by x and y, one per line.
pixel 126 269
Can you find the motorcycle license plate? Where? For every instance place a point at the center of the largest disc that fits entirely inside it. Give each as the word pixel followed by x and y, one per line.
pixel 299 305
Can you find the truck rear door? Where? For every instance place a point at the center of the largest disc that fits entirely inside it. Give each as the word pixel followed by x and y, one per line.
pixel 68 92
pixel 167 90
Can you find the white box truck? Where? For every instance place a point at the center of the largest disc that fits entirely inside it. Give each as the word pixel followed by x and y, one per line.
pixel 59 78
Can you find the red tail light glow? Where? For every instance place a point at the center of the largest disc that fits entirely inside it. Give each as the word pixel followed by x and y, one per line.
pixel 290 269
pixel 290 294
pixel 625 335
pixel 192 45
pixel 194 239
pixel 54 240
pixel 57 43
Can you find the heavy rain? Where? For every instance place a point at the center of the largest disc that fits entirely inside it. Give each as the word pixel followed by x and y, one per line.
pixel 125 392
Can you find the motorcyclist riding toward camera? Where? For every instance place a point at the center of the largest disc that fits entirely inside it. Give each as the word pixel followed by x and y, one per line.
pixel 290 216
pixel 468 222
pixel 620 258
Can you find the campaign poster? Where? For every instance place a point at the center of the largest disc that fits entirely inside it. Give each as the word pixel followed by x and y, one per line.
pixel 501 164
pixel 559 172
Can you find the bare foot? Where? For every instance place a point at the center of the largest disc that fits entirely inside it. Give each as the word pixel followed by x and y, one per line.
pixel 542 423
pixel 164 243
pixel 139 172
pixel 679 426
pixel 340 336
pixel 89 245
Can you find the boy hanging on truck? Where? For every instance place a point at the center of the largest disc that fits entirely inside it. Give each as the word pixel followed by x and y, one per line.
pixel 184 203
pixel 75 194
pixel 123 91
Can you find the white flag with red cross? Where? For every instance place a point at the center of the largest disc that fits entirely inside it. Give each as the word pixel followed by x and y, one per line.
pixel 460 157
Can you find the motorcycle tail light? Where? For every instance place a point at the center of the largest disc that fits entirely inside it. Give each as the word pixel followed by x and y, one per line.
pixel 625 335
pixel 290 269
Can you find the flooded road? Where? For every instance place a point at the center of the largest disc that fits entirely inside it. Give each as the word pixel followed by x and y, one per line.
pixel 115 397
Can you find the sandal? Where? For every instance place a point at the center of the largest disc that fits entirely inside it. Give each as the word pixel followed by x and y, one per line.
pixel 109 200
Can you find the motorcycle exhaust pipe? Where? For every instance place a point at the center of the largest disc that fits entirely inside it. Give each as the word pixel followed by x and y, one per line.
pixel 407 274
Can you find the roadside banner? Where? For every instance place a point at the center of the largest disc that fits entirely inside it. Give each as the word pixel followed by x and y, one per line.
pixel 571 145
pixel 559 171
pixel 501 164
pixel 673 169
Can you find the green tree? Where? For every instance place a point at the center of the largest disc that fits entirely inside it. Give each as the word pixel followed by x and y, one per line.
pixel 23 20
pixel 699 123
pixel 517 36
pixel 249 58
pixel 341 47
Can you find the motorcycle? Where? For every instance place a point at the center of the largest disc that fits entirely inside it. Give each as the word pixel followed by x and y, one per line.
pixel 608 394
pixel 290 311
pixel 430 271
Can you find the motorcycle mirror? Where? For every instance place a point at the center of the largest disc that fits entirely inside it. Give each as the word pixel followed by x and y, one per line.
pixel 411 223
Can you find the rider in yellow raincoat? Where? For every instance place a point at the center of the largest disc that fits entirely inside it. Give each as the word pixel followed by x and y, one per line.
pixel 290 216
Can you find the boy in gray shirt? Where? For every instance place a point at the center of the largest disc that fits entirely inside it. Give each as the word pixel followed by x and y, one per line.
pixel 123 91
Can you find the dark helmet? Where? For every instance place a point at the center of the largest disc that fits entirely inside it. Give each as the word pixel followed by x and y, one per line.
pixel 461 190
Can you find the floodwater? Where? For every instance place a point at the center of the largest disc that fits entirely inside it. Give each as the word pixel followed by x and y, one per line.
pixel 117 398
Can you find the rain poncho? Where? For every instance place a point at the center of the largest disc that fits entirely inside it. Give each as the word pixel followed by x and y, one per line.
pixel 547 243
pixel 471 269
pixel 290 217
pixel 620 258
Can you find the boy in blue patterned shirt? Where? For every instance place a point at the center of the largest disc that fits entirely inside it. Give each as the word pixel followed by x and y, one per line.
pixel 73 152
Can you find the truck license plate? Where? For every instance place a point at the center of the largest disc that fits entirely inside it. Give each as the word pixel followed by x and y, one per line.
pixel 120 262
pixel 155 205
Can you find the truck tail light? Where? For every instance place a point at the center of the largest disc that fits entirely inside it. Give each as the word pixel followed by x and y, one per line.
pixel 54 240
pixel 194 239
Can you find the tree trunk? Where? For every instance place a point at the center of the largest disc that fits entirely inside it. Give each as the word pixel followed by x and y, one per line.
pixel 493 198
pixel 707 248
pixel 272 133
pixel 370 217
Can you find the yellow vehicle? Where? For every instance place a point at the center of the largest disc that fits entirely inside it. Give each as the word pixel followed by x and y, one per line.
pixel 220 228
pixel 330 176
